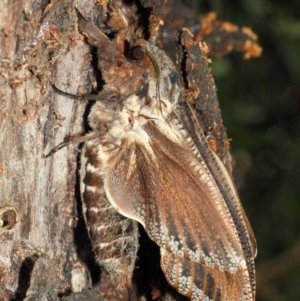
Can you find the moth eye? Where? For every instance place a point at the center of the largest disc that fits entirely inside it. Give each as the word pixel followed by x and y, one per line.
pixel 137 53
pixel 173 77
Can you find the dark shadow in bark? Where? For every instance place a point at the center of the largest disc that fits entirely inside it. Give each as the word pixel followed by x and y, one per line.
pixel 24 278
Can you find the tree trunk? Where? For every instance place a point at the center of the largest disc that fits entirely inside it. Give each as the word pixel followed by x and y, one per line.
pixel 37 193
pixel 43 240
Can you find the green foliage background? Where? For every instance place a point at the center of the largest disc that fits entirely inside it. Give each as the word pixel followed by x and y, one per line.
pixel 260 103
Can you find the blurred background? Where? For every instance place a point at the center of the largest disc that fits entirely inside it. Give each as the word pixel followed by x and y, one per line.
pixel 260 103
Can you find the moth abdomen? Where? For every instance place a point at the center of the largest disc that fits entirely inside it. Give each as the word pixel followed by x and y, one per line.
pixel 114 237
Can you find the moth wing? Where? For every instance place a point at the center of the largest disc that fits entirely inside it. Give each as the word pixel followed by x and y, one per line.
pixel 200 282
pixel 170 192
pixel 251 234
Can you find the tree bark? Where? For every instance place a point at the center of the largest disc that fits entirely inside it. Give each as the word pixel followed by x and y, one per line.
pixel 38 192
pixel 43 241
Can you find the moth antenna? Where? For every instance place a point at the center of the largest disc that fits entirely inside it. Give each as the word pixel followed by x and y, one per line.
pixel 72 139
pixel 157 70
pixel 158 75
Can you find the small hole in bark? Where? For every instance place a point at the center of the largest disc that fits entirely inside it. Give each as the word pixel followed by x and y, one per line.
pixel 8 218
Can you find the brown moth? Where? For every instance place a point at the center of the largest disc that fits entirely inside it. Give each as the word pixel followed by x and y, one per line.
pixel 147 161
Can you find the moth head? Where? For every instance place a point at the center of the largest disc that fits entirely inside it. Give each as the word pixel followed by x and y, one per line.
pixel 161 74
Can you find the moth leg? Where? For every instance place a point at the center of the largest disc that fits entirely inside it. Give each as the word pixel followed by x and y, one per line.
pixel 107 94
pixel 119 73
pixel 98 39
pixel 117 19
pixel 72 139
pixel 118 22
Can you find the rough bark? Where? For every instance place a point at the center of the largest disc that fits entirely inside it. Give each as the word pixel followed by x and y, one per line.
pixel 39 46
pixel 43 241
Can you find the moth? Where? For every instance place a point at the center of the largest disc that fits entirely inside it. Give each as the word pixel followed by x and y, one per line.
pixel 147 161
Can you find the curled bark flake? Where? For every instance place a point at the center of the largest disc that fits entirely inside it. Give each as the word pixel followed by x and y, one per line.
pixel 223 37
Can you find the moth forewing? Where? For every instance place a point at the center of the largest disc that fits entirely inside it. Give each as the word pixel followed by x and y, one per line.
pixel 243 217
pixel 169 190
pixel 227 189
